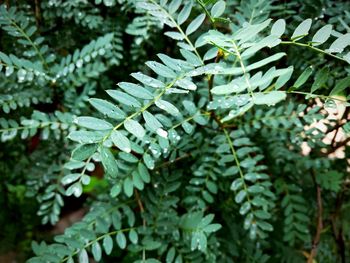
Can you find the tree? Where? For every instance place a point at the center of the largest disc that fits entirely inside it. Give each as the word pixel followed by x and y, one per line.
pixel 202 147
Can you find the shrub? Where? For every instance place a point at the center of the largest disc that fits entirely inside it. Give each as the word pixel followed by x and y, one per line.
pixel 217 144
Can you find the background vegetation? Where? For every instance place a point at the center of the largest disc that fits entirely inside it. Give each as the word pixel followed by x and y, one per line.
pixel 174 131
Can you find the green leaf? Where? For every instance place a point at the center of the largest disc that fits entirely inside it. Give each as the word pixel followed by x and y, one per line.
pixel 229 88
pixel 128 187
pixel 340 86
pixel 108 161
pixel 240 196
pixel 303 77
pixel 134 128
pixel 96 251
pixel 5 59
pixel 218 9
pixel 278 28
pixel 170 255
pixel 133 236
pixel 83 152
pixel 136 90
pixel 107 244
pixel 83 256
pixel 320 79
pixel 70 178
pixel 265 61
pixel 148 81
pixel 173 6
pixel 153 124
pixel 124 98
pixel 93 123
pixel 107 108
pixel 340 44
pixel 161 70
pixel 86 137
pixel 284 77
pixel 195 24
pixel 121 141
pixel 302 29
pixel 144 173
pixel 75 189
pixel 322 35
pixel 121 240
pixel 270 98
pixel 116 189
pixel 212 228
pixel 184 13
pixel 168 107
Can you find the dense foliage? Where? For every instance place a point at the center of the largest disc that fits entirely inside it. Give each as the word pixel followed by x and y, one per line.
pixel 186 130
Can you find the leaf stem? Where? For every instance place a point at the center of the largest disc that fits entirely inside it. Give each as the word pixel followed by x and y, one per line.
pixel 312 48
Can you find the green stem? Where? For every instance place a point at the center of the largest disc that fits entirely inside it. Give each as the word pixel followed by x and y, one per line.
pixel 31 42
pixel 180 30
pixel 316 95
pixel 312 48
pixel 237 163
pixel 142 109
pixel 97 239
pixel 206 12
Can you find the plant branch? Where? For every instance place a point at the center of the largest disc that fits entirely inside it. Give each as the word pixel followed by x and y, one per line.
pixel 312 48
pixel 319 228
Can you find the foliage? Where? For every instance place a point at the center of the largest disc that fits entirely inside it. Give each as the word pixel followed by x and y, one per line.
pixel 198 153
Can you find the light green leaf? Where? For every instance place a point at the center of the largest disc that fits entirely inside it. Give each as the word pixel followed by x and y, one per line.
pixel 108 161
pixel 128 186
pixel 148 81
pixel 168 107
pixel 270 98
pixel 124 98
pixel 174 35
pixel 174 5
pixel 96 251
pixel 340 44
pixel 133 236
pixel 121 240
pixel 265 61
pixel 249 31
pixel 134 128
pixel 322 35
pixel 70 178
pixel 136 90
pixel 226 89
pixel 86 136
pixel 83 256
pixel 218 9
pixel 170 255
pixel 107 108
pixel 107 244
pixel 302 29
pixel 303 77
pixel 75 189
pixel 93 123
pixel 144 173
pixel 83 152
pixel 121 141
pixel 195 24
pixel 278 28
pixel 161 70
pixel 240 196
pixel 184 13
pixel 116 189
pixel 212 228
pixel 284 77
